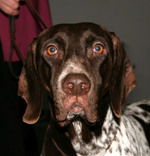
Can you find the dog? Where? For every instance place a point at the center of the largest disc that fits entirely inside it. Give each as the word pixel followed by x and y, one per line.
pixel 87 75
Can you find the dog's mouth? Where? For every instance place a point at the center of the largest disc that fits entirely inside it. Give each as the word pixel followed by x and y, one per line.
pixel 75 111
pixel 79 109
pixel 71 113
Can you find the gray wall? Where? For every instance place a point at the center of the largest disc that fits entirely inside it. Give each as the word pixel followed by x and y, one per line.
pixel 130 19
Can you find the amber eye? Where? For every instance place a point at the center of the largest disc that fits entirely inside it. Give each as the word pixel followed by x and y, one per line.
pixel 51 50
pixel 98 48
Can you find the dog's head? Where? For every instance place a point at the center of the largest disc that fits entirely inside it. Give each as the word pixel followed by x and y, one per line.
pixel 77 64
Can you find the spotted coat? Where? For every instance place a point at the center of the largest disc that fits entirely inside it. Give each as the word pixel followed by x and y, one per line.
pixel 124 139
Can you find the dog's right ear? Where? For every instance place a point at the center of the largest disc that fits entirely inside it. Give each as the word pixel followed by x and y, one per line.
pixel 29 86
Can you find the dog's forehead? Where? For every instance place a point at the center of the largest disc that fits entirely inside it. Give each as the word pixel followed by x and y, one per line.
pixel 76 30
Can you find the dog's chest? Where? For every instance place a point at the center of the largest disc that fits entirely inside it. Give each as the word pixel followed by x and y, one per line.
pixel 114 139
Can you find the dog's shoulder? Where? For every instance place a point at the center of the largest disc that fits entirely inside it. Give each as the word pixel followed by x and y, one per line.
pixel 139 110
pixel 135 122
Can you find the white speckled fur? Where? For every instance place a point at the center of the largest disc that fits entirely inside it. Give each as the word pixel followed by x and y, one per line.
pixel 126 139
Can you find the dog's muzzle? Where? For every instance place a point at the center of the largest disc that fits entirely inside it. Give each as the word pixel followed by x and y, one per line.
pixel 76 87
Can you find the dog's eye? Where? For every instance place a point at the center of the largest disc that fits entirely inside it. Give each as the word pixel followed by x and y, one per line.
pixel 51 50
pixel 98 48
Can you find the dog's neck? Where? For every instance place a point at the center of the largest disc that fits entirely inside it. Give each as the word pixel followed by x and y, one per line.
pixel 97 144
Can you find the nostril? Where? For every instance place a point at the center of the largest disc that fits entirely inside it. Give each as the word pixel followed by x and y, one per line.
pixel 69 88
pixel 70 85
pixel 85 86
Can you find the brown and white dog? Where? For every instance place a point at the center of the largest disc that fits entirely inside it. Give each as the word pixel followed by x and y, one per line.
pixel 88 76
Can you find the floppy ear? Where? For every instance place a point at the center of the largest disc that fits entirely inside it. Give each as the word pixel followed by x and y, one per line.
pixel 29 86
pixel 123 78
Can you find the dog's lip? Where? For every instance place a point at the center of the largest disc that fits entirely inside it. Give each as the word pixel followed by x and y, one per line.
pixel 76 108
pixel 82 115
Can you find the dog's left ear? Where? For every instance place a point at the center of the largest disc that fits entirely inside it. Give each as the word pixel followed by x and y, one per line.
pixel 123 78
pixel 29 86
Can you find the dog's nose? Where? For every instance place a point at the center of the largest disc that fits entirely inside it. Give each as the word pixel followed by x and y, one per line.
pixel 76 84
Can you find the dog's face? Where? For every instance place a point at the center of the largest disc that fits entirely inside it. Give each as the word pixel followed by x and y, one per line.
pixel 75 60
pixel 77 64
